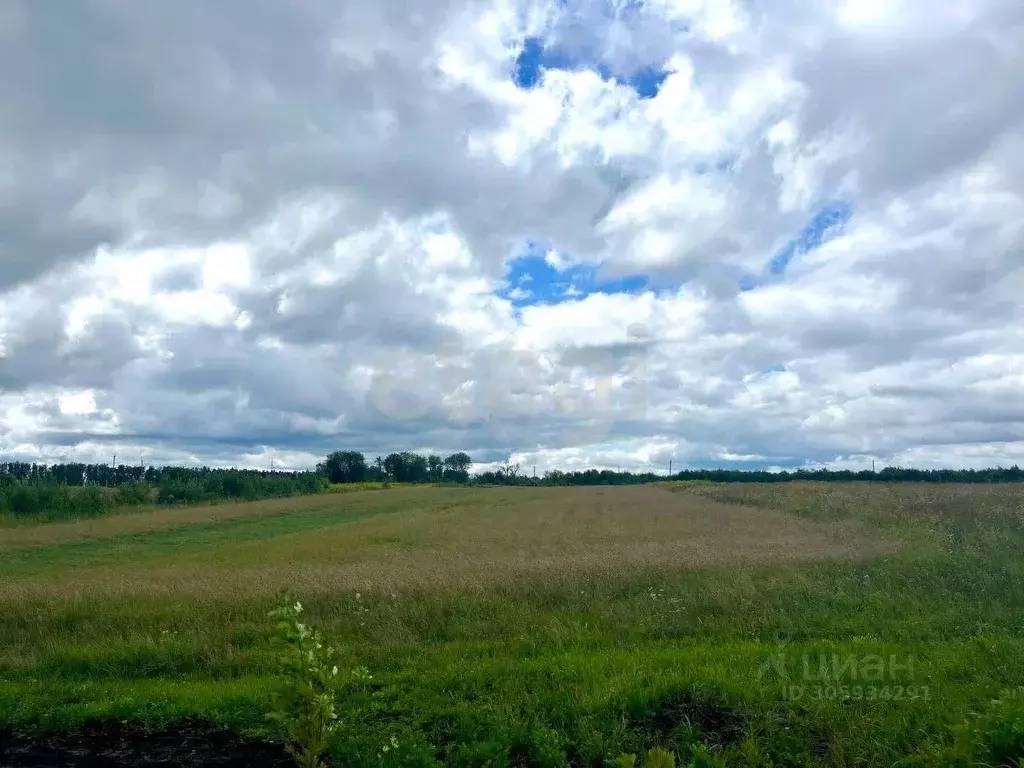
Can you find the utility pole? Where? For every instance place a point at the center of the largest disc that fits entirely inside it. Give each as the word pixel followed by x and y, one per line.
pixel 271 465
pixel 872 466
pixel 535 470
pixel 670 467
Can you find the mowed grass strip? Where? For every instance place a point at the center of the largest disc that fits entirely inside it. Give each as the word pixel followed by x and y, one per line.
pixel 179 536
pixel 148 519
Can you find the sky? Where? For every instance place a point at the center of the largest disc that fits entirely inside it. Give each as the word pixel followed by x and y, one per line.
pixel 741 233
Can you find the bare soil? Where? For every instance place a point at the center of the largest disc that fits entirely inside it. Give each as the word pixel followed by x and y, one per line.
pixel 117 745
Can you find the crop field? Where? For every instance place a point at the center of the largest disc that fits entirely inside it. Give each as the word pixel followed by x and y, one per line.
pixel 793 624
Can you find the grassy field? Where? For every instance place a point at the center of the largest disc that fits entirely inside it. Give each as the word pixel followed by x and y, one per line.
pixel 764 625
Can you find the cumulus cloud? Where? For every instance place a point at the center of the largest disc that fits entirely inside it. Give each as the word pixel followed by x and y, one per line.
pixel 246 231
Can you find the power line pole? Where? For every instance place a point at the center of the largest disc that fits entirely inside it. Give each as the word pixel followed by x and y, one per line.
pixel 670 467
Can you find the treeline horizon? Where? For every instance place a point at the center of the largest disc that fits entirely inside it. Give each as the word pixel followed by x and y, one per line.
pixel 353 467
pixel 89 490
pixel 1012 474
pixel 345 467
pixel 68 490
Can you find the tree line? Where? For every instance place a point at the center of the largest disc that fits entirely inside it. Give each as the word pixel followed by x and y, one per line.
pixel 85 490
pixel 510 474
pixel 404 467
pixel 89 490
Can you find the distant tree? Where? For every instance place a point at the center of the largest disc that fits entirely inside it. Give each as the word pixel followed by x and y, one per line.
pixel 394 466
pixel 435 466
pixel 344 467
pixel 407 467
pixel 456 467
pixel 510 470
pixel 379 473
pixel 416 467
pixel 555 477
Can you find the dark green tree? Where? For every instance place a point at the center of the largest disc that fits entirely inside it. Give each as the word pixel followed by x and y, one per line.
pixel 394 466
pixel 435 466
pixel 344 467
pixel 456 467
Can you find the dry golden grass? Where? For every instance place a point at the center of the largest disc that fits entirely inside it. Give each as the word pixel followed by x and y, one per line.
pixel 966 507
pixel 466 539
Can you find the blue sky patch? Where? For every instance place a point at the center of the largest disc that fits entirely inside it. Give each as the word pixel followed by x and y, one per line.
pixel 531 280
pixel 765 373
pixel 826 224
pixel 535 57
pixel 647 81
pixel 749 283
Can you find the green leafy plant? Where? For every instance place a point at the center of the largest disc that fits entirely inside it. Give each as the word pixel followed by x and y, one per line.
pixel 304 707
pixel 659 758
pixel 702 756
pixel 655 758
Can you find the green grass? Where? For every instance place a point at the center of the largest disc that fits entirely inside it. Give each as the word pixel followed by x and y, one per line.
pixel 530 674
pixel 192 539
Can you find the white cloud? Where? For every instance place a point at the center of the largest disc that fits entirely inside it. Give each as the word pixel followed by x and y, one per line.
pixel 77 403
pixel 231 257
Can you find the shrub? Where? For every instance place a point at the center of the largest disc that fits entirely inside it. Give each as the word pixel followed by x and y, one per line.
pixel 22 500
pixel 134 495
pixel 181 492
pixel 87 502
pixel 304 707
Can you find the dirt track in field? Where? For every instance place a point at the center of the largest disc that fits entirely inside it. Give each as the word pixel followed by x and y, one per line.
pixel 459 539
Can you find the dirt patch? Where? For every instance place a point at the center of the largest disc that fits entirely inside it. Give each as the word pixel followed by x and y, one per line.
pixel 716 722
pixel 119 745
